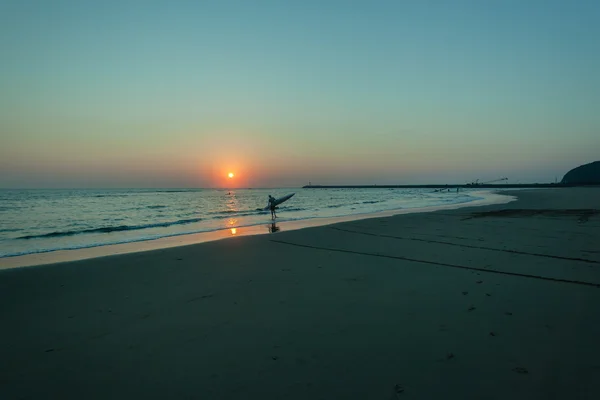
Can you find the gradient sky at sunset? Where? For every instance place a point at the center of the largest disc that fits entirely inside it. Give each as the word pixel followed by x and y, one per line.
pixel 179 93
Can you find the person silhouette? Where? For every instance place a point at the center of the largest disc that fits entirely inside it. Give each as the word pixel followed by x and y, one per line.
pixel 272 207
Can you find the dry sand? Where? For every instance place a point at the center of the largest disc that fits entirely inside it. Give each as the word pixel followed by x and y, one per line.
pixel 475 303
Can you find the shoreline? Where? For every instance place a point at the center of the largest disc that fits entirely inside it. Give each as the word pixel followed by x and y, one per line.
pixel 490 197
pixel 488 302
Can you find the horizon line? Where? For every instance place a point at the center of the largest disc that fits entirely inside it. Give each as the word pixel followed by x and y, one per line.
pixel 277 187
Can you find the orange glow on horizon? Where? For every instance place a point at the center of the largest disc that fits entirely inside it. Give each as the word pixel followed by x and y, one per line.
pixel 227 174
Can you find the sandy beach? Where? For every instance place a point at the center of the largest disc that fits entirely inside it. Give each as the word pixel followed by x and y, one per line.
pixel 491 302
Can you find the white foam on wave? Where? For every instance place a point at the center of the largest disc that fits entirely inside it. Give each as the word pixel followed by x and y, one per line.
pixel 476 198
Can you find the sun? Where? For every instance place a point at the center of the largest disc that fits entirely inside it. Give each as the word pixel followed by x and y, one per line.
pixel 230 175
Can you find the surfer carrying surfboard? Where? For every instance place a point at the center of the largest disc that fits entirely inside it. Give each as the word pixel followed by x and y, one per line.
pixel 272 207
pixel 273 203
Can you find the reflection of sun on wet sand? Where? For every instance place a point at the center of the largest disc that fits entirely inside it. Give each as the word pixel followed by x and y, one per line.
pixel 481 302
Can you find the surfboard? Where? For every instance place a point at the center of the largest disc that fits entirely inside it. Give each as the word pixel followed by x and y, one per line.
pixel 280 200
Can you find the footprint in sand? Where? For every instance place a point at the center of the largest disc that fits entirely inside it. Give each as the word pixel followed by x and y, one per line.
pixel 449 356
pixel 397 391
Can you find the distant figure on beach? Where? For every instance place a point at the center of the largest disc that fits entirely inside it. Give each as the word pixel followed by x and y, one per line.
pixel 272 207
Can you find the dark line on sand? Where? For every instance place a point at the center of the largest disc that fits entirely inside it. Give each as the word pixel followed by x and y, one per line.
pixel 470 246
pixel 493 271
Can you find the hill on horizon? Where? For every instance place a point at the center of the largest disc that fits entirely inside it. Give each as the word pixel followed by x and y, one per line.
pixel 587 174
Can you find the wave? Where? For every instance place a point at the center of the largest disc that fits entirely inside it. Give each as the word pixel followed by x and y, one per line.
pixel 111 240
pixel 109 229
pixel 241 214
pixel 223 212
pixel 155 207
pixel 220 215
pixel 231 213
pixel 140 238
pixel 9 230
pixel 355 203
pixel 291 209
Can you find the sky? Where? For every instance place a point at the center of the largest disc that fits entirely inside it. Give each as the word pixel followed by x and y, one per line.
pixel 283 93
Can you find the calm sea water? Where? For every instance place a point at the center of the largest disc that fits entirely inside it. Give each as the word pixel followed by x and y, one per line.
pixel 35 221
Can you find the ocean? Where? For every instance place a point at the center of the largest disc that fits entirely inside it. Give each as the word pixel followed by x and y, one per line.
pixel 38 221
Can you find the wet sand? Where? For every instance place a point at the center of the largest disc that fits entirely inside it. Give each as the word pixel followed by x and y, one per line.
pixel 483 198
pixel 489 302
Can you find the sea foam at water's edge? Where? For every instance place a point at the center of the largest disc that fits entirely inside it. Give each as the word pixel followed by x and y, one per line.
pixel 49 220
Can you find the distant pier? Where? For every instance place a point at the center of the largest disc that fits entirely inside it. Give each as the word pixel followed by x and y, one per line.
pixel 465 186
